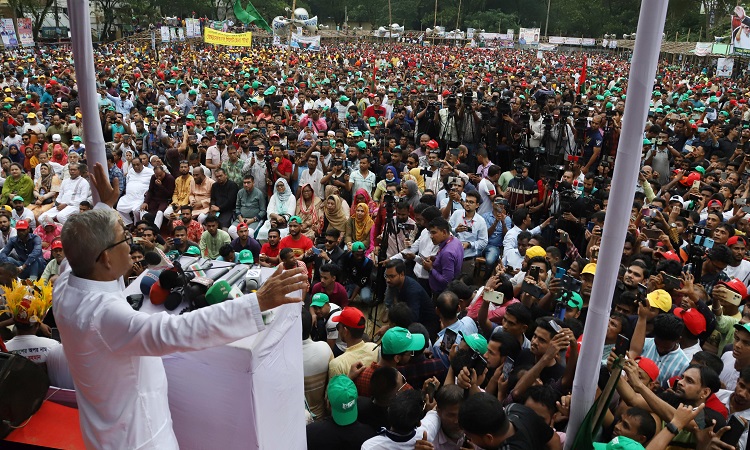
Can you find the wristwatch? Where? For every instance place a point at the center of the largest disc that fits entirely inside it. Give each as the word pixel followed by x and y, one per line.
pixel 672 428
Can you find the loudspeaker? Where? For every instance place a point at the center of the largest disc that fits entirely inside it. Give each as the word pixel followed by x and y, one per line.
pixel 23 386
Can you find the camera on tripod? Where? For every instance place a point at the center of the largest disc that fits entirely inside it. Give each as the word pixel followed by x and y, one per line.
pixel 389 198
pixel 452 102
pixel 539 150
pixel 406 227
pixel 503 106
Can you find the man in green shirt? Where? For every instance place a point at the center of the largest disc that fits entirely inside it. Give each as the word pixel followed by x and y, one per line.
pixel 213 238
pixel 233 166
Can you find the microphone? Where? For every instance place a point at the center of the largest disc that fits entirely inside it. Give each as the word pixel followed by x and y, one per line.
pixel 170 279
pixel 157 259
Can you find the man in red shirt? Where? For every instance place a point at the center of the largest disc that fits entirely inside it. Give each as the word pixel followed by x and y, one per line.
pixel 329 285
pixel 375 110
pixel 282 168
pixel 301 244
pixel 269 252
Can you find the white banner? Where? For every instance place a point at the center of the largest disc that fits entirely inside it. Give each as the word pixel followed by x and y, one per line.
pixel 8 33
pixel 547 47
pixel 181 34
pixel 193 28
pixel 528 36
pixel 556 40
pixel 703 48
pixel 165 33
pixel 173 34
pixel 311 43
pixel 588 41
pixel 470 33
pixel 573 41
pixel 725 67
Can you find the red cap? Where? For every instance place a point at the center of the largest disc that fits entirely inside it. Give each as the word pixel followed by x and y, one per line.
pixel 714 202
pixel 736 285
pixel 158 294
pixel 351 317
pixel 273 135
pixel 22 225
pixel 242 226
pixel 446 93
pixel 433 144
pixel 690 179
pixel 56 244
pixel 734 239
pixel 189 124
pixel 648 366
pixel 694 320
pixel 670 255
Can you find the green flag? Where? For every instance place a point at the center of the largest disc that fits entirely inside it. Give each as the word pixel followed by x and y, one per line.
pixel 250 15
pixel 592 423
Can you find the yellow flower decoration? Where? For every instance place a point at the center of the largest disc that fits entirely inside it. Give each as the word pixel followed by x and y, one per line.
pixel 27 303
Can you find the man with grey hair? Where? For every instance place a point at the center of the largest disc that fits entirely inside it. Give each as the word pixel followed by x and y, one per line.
pixel 73 191
pixel 113 350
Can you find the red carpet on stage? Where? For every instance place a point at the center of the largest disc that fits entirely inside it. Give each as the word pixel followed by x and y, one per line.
pixel 53 426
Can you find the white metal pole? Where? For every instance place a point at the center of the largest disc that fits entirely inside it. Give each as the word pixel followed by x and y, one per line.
pixel 640 84
pixel 83 56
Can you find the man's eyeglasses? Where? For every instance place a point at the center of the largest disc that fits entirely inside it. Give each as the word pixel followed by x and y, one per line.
pixel 128 238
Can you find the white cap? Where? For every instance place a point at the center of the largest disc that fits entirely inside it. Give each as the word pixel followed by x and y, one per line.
pixel 56 138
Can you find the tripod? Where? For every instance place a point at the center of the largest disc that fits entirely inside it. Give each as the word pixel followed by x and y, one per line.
pixel 389 230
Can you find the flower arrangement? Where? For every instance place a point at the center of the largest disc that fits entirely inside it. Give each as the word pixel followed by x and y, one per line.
pixel 28 302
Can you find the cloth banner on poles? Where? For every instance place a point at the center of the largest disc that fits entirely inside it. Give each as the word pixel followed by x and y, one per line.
pixel 8 33
pixel 703 48
pixel 724 67
pixel 181 34
pixel 173 34
pixel 192 28
pixel 547 47
pixel 212 36
pixel 25 32
pixel 588 41
pixel 528 36
pixel 165 33
pixel 311 43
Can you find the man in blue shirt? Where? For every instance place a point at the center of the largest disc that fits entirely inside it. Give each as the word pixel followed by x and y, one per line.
pixel 28 252
pixel 498 223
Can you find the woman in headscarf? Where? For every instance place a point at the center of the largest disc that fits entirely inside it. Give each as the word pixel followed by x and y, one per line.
pixel 417 174
pixel 58 155
pixel 129 155
pixel 410 193
pixel 362 196
pixel 46 189
pixel 391 178
pixel 15 155
pixel 281 207
pixel 358 227
pixel 310 210
pixel 335 214
pixel 18 183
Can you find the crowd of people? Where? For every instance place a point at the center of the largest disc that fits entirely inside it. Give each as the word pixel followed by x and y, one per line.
pixel 464 190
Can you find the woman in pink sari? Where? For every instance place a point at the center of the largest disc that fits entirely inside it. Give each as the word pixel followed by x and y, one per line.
pixel 362 196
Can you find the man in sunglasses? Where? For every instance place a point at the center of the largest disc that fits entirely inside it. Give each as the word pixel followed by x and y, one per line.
pixel 113 350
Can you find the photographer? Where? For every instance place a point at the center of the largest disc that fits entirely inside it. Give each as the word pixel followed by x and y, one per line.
pixel 405 229
pixel 447 120
pixel 536 127
pixel 592 145
pixel 471 123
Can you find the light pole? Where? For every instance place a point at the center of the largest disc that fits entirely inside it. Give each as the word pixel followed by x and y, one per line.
pixel 546 25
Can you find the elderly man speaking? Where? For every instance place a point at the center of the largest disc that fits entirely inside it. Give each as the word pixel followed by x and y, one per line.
pixel 113 351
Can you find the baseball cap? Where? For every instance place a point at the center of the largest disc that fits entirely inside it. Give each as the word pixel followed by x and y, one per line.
pixel 17 198
pixel 432 144
pixel 246 257
pixel 660 299
pixel 475 341
pixel 343 99
pixel 77 139
pixel 669 255
pixel 398 340
pixel 56 138
pixel 743 327
pixel 535 251
pixel 714 202
pixel 358 246
pixel 362 145
pixel 648 366
pixel 242 226
pixel 56 244
pixel 296 219
pixel 350 317
pixel 193 250
pixel 574 300
pixel 31 116
pixel 22 225
pixel 319 299
pixel 342 394
pixel 736 285
pixel 619 443
pixel 695 322
pixel 590 268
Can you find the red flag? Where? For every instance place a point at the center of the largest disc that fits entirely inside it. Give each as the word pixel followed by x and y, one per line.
pixel 582 79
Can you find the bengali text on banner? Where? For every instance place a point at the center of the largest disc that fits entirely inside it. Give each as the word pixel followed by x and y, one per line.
pixel 211 36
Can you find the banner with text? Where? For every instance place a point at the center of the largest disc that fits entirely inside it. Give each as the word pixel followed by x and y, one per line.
pixel 211 36
pixel 311 43
pixel 25 32
pixel 193 28
pixel 724 67
pixel 741 35
pixel 703 48
pixel 528 36
pixel 8 33
pixel 164 33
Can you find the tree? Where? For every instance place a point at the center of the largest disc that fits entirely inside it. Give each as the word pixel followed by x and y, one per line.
pixel 37 9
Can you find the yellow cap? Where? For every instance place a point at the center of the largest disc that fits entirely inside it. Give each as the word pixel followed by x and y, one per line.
pixel 590 268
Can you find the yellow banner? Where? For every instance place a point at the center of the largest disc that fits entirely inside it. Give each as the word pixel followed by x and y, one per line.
pixel 211 36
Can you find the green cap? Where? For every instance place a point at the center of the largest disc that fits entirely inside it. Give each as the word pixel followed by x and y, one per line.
pixel 343 99
pixel 193 251
pixel 373 121
pixel 298 219
pixel 210 119
pixel 270 91
pixel 342 394
pixel 256 84
pixel 574 300
pixel 476 342
pixel 647 142
pixel 362 145
pixel 17 198
pixel 208 112
pixel 210 129
pixel 743 327
pixel 246 257
pixel 700 169
pixel 357 134
pixel 358 246
pixel 192 92
pixel 399 340
pixel 77 139
pixel 713 99
pixel 218 292
pixel 618 443
pixel 319 300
